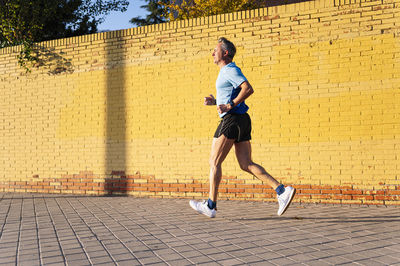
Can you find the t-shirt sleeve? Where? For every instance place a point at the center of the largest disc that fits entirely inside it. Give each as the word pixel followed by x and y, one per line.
pixel 236 77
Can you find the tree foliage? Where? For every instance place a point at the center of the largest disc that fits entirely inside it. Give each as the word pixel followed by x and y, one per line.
pixel 169 10
pixel 23 22
pixel 186 9
pixel 156 15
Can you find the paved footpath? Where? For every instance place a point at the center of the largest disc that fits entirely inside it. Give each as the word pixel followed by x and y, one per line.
pixel 38 229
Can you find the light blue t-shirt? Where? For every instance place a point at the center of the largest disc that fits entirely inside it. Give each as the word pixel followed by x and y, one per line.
pixel 229 79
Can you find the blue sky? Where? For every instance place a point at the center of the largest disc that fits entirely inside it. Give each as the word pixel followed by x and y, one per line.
pixel 120 20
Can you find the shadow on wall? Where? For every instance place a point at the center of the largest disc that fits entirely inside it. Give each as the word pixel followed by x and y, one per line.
pixel 115 182
pixel 55 62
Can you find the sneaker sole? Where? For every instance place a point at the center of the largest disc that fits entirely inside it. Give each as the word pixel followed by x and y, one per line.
pixel 290 201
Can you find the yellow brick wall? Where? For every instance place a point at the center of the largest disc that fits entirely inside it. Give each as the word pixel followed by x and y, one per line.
pixel 122 112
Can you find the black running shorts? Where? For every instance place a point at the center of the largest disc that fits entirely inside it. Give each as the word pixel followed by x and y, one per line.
pixel 235 126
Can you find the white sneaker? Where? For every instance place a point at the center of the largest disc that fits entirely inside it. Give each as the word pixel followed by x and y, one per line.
pixel 202 207
pixel 285 199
